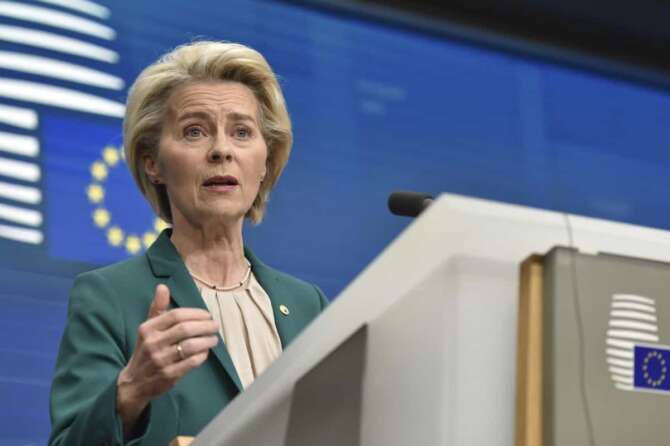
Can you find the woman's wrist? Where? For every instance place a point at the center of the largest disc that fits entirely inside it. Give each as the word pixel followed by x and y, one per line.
pixel 129 405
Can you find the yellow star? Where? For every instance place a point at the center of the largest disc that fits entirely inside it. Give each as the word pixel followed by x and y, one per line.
pixel 96 193
pixel 101 217
pixel 115 236
pixel 159 225
pixel 133 244
pixel 111 156
pixel 148 238
pixel 99 171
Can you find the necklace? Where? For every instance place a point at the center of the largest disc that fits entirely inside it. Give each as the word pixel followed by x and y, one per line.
pixel 222 288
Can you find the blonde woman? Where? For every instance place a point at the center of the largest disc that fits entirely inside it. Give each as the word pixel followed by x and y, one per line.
pixel 156 346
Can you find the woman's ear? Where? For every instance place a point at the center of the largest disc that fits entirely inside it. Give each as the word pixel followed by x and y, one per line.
pixel 152 169
pixel 265 171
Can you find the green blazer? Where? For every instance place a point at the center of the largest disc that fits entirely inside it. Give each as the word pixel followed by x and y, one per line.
pixel 106 307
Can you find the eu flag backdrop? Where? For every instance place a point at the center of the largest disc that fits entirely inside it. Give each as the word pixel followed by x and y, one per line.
pixel 95 212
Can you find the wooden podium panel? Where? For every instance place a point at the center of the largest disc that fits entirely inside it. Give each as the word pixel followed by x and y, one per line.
pixel 529 354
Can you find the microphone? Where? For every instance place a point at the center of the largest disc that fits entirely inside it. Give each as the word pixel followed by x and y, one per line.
pixel 407 203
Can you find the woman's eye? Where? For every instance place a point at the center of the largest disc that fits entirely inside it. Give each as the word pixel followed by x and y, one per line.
pixel 242 133
pixel 193 132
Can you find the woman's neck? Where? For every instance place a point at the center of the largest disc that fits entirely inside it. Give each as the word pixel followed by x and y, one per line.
pixel 214 254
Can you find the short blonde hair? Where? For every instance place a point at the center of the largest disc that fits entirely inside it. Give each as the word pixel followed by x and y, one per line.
pixel 146 109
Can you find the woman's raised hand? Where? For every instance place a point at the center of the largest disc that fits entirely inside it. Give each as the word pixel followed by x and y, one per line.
pixel 169 345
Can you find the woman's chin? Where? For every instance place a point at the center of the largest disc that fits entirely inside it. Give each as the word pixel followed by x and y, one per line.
pixel 224 214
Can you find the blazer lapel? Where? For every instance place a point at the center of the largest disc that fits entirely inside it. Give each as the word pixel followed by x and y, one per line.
pixel 166 263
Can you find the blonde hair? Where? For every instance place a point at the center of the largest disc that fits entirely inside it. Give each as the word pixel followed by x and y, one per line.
pixel 204 61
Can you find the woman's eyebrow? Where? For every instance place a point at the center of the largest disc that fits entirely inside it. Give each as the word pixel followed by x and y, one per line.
pixel 194 114
pixel 233 116
pixel 236 116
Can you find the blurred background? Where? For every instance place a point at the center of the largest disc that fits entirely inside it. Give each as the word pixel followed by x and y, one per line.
pixel 562 106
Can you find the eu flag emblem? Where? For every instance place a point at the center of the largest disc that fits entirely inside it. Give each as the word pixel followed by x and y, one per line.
pixel 651 367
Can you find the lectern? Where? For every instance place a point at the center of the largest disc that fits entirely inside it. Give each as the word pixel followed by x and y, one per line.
pixel 421 348
pixel 593 350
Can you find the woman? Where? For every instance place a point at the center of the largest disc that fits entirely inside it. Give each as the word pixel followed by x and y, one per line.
pixel 157 345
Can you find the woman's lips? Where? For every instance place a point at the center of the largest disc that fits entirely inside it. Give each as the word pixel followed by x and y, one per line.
pixel 221 183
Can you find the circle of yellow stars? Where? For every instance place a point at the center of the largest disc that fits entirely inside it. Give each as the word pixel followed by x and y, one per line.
pixel 102 218
pixel 645 368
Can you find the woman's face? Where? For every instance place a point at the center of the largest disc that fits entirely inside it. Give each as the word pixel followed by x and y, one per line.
pixel 212 155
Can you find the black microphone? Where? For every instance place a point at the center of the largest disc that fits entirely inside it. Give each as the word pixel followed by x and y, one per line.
pixel 408 204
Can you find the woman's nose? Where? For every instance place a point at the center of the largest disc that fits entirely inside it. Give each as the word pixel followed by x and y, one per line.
pixel 220 152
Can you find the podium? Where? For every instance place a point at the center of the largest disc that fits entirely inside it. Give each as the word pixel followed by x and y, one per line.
pixel 421 348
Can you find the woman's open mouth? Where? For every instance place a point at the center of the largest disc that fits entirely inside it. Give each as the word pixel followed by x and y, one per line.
pixel 221 183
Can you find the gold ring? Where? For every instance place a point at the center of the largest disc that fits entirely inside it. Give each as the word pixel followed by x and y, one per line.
pixel 180 351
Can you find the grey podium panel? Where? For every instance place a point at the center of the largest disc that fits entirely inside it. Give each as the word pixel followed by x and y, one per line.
pixel 326 403
pixel 597 308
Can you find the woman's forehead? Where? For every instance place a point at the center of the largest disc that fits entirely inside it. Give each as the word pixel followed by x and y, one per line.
pixel 213 98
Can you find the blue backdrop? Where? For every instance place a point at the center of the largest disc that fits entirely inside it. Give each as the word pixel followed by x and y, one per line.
pixel 374 109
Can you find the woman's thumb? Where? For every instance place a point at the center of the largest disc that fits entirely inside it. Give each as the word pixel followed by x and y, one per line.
pixel 160 302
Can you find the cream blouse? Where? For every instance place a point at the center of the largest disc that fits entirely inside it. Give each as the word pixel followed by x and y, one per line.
pixel 247 326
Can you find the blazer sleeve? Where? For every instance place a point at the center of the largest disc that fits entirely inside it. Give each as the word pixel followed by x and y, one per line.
pixel 93 351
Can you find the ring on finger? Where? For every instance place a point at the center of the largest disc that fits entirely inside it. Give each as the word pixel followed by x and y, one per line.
pixel 180 351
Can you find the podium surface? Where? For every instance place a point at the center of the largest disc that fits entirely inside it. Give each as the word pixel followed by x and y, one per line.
pixel 421 347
